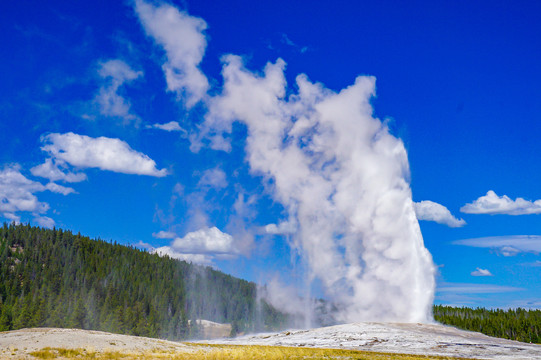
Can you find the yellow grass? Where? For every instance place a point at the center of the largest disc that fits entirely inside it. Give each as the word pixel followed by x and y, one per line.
pixel 226 352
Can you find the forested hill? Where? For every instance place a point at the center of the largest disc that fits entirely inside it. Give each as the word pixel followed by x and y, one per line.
pixel 54 278
pixel 514 324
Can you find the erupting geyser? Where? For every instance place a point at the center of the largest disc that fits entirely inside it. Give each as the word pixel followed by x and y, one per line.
pixel 343 178
pixel 340 175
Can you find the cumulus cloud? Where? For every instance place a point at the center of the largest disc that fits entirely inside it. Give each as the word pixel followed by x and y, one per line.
pixel 182 38
pixel 506 245
pixel 342 177
pixel 17 194
pixel 50 170
pixel 206 241
pixel 214 178
pixel 202 259
pixel 170 126
pixel 493 204
pixel 201 246
pixel 110 103
pixel 104 153
pixel 432 211
pixel 481 272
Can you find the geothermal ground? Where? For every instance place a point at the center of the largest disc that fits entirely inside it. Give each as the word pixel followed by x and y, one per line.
pixel 422 339
pixel 395 338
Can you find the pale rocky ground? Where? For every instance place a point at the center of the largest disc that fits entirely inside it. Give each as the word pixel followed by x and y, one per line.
pixel 426 339
pixel 423 339
pixel 18 343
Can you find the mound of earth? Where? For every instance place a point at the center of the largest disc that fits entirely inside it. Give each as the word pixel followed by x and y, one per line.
pixel 423 339
pixel 18 343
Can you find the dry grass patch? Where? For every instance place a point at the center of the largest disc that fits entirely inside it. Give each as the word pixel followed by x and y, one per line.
pixel 226 352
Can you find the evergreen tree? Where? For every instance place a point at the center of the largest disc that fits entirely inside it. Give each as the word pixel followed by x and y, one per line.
pixel 51 277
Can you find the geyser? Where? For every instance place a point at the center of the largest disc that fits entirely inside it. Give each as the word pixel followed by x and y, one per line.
pixel 343 179
pixel 336 169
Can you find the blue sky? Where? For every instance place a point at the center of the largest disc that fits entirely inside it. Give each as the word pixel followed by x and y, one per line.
pixel 112 125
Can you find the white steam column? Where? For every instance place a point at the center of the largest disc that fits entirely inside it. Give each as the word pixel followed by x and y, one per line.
pixel 343 179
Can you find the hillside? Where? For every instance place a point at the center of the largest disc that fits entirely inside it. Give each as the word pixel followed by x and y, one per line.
pixel 53 278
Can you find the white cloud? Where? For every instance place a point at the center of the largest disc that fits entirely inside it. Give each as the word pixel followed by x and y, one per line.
pixel 481 272
pixel 182 38
pixel 170 126
pixel 465 288
pixel 50 170
pixel 215 178
pixel 164 235
pixel 44 221
pixel 201 246
pixel 506 245
pixel 206 241
pixel 283 228
pixel 493 204
pixel 202 259
pixel 53 187
pixel 104 153
pixel 116 73
pixel 17 195
pixel 432 211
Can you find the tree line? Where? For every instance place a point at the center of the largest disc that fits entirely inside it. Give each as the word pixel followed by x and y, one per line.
pixel 54 278
pixel 514 324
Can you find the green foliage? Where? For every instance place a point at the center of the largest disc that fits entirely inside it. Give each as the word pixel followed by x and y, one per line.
pixel 57 279
pixel 514 324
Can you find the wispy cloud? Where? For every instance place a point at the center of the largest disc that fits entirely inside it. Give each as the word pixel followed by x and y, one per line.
pixel 536 263
pixel 481 272
pixel 467 288
pixel 214 178
pixel 432 211
pixel 506 245
pixel 287 41
pixel 103 153
pixel 182 38
pixel 164 235
pixel 110 103
pixel 493 204
pixel 170 126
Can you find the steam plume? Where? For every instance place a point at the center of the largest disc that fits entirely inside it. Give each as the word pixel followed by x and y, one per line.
pixel 343 179
pixel 336 169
